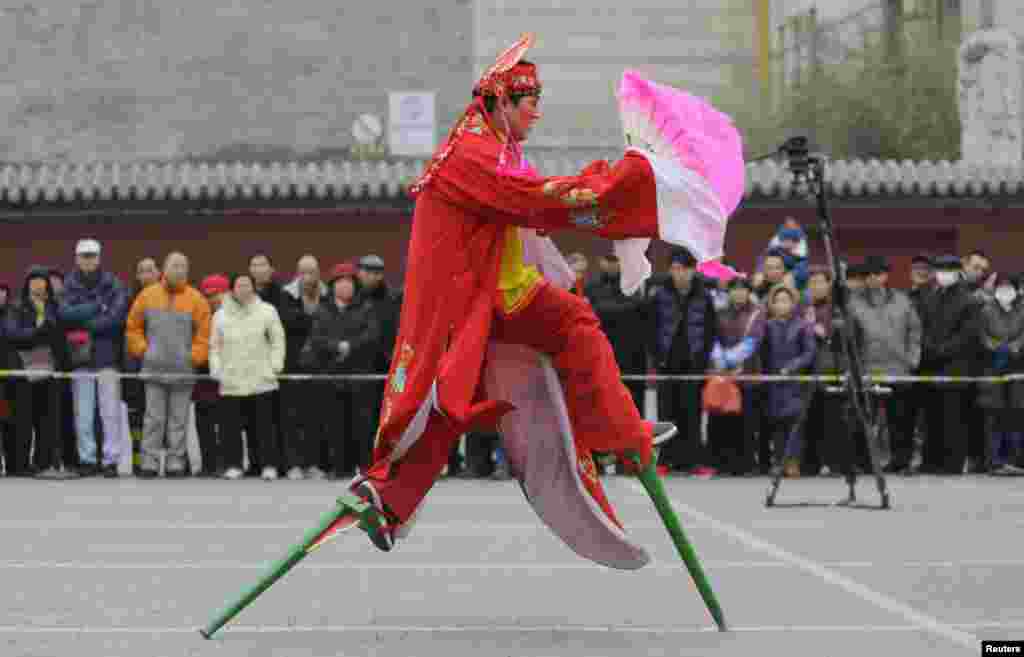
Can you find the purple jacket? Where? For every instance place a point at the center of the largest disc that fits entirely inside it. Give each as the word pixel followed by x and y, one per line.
pixel 787 345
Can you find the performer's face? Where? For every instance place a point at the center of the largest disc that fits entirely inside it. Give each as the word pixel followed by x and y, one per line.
pixel 522 116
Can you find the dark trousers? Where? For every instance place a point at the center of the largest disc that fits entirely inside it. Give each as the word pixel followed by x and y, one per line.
pixel 1005 434
pixel 349 430
pixel 731 437
pixel 302 417
pixel 255 414
pixel 827 432
pixel 781 431
pixel 259 458
pixel 915 398
pixel 901 418
pixel 69 435
pixel 208 430
pixel 39 410
pixel 681 404
pixel 846 441
pixel 945 447
pixel 974 423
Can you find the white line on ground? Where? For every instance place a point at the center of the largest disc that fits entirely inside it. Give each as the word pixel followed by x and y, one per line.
pixel 312 565
pixel 453 528
pixel 518 629
pixel 884 602
pixel 659 567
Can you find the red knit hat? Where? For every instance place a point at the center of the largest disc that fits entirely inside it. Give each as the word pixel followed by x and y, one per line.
pixel 340 271
pixel 215 284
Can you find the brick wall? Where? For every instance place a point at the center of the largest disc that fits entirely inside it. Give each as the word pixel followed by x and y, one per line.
pixel 224 244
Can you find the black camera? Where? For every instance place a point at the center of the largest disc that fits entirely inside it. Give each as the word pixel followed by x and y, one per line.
pixel 796 151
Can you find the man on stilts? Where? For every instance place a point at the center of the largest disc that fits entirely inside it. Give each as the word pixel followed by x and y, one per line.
pixel 491 336
pixel 481 212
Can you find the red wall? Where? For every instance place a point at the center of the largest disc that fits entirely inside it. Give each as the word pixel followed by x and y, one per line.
pixel 224 243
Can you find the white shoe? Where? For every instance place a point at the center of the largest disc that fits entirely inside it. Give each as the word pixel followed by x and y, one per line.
pixel 269 473
pixel 233 473
pixel 296 474
pixel 316 474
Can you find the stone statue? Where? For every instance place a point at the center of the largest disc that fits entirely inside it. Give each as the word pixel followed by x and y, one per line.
pixel 990 98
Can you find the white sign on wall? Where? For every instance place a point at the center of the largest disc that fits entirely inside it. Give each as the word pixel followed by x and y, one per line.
pixel 412 123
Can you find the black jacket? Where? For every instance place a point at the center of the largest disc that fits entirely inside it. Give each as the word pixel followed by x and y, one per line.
pixel 623 320
pixel 951 321
pixel 297 324
pixel 386 307
pixel 22 334
pixel 357 325
pixel 687 326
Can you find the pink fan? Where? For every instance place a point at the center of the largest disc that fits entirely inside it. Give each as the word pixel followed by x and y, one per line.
pixel 716 270
pixel 697 156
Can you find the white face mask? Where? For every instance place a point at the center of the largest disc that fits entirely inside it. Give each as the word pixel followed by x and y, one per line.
pixel 946 278
pixel 1005 295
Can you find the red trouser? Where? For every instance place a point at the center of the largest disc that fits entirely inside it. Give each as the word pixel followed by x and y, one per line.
pixel 601 408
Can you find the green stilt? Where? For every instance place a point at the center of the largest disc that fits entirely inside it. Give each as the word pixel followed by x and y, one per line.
pixel 652 483
pixel 347 506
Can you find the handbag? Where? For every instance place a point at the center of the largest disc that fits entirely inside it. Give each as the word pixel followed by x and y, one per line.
pixel 722 396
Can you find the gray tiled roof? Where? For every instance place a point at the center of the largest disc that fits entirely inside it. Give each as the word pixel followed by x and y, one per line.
pixel 33 184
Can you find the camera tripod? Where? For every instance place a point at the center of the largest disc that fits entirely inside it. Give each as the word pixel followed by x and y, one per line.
pixel 809 177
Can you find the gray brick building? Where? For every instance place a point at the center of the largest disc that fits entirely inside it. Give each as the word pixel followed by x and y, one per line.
pixel 217 79
pixel 232 79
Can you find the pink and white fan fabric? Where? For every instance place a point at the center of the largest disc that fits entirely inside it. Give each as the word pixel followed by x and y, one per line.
pixel 696 154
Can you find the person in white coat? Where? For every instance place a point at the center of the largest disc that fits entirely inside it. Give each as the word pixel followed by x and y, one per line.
pixel 247 351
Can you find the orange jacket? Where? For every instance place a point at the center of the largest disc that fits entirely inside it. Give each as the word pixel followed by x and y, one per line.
pixel 169 330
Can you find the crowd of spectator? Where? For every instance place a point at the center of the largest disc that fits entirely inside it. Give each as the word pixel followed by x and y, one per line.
pixel 958 318
pixel 215 352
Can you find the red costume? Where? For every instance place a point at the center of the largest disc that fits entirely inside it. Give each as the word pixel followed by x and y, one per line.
pixel 483 325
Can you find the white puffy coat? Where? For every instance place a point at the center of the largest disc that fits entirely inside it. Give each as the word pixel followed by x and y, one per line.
pixel 247 348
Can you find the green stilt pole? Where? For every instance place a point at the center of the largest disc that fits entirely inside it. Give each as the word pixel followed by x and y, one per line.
pixel 347 505
pixel 652 483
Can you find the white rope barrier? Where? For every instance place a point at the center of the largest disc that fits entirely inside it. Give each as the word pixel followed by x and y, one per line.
pixel 649 378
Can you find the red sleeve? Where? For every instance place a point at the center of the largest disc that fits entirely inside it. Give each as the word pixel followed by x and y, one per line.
pixel 601 199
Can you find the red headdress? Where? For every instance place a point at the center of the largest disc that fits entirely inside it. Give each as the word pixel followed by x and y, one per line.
pixel 507 76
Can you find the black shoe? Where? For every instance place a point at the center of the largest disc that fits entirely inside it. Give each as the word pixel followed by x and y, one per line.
pixel 146 473
pixel 501 472
pixel 88 470
pixel 50 473
pixel 176 474
pixel 375 520
pixel 110 471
